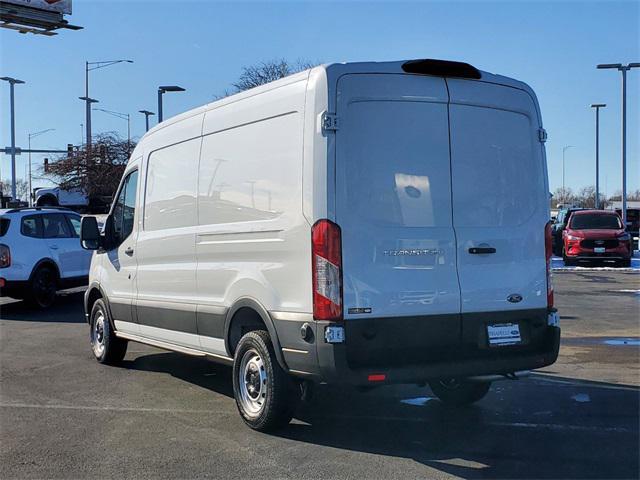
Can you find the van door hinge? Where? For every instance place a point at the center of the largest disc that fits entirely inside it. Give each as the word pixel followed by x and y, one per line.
pixel 329 122
pixel 542 135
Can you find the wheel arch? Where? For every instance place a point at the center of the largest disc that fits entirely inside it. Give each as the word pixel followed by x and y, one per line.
pixel 236 317
pixel 94 292
pixel 48 262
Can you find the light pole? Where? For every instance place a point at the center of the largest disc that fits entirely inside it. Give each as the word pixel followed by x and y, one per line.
pixel 624 69
pixel 123 116
pixel 161 91
pixel 146 114
pixel 30 136
pixel 12 82
pixel 89 66
pixel 598 106
pixel 564 149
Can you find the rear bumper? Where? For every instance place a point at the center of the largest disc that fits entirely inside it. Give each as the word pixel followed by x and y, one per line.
pixel 415 350
pixel 335 366
pixel 13 288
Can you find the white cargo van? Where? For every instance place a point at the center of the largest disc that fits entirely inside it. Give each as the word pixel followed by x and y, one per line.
pixel 357 223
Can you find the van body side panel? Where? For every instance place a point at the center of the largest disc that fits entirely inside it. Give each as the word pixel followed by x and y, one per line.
pixel 253 239
pixel 500 198
pixel 393 196
pixel 166 300
pixel 314 176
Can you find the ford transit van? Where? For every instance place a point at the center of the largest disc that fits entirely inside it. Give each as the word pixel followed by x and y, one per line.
pixel 357 223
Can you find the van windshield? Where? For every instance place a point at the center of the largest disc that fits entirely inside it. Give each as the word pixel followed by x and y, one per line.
pixel 595 222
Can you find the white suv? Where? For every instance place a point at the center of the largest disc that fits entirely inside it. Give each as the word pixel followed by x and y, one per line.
pixel 40 253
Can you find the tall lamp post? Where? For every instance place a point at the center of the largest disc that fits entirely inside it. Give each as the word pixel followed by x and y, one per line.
pixel 598 106
pixel 564 149
pixel 30 136
pixel 88 67
pixel 161 91
pixel 12 82
pixel 146 114
pixel 123 116
pixel 624 69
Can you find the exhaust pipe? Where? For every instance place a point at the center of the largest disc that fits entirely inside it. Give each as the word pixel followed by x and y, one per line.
pixel 505 376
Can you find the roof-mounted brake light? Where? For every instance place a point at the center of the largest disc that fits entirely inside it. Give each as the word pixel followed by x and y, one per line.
pixel 441 68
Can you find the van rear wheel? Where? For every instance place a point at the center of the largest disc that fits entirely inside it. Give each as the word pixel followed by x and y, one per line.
pixel 265 395
pixel 457 392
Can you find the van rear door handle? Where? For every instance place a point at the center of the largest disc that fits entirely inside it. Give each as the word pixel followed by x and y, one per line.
pixel 129 251
pixel 53 247
pixel 480 250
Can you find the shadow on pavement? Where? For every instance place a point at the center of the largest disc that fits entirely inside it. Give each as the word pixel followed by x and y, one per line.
pixel 68 308
pixel 541 427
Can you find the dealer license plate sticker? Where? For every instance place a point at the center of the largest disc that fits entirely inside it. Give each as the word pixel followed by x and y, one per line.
pixel 599 249
pixel 504 334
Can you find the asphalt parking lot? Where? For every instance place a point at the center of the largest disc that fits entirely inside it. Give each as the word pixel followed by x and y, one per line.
pixel 165 415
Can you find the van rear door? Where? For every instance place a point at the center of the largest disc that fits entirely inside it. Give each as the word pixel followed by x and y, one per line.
pixel 393 204
pixel 500 200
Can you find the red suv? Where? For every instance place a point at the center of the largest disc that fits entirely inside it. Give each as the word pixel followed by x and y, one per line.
pixel 596 235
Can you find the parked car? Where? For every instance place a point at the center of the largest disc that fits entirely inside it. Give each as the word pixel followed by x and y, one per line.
pixel 633 224
pixel 596 235
pixel 40 253
pixel 74 199
pixel 559 226
pixel 358 224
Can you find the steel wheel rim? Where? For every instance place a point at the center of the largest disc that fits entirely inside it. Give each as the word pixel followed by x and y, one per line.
pixel 252 382
pixel 98 335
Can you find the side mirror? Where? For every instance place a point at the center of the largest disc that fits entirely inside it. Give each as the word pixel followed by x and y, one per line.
pixel 89 233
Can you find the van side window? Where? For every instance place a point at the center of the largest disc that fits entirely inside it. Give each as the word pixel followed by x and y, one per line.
pixel 170 194
pixel 124 209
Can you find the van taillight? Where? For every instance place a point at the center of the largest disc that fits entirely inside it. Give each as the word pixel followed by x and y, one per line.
pixel 548 250
pixel 5 256
pixel 326 267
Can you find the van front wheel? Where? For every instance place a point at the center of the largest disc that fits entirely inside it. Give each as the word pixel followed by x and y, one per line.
pixel 264 393
pixel 106 347
pixel 459 392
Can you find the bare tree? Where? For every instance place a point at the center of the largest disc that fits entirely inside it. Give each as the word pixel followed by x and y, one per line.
pixel 265 72
pixel 97 176
pixel 22 188
pixel 564 196
pixel 634 196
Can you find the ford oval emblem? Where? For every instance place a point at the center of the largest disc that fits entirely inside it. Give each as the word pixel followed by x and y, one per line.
pixel 514 298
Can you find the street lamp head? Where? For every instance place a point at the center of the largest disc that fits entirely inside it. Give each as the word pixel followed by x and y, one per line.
pixel 12 80
pixel 598 105
pixel 610 65
pixel 170 88
pixel 146 112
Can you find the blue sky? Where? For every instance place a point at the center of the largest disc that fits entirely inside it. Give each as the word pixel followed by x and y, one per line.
pixel 202 46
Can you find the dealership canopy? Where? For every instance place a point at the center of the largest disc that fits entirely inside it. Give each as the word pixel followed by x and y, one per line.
pixel 36 16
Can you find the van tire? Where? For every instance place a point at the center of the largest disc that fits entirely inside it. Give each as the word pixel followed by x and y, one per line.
pixel 265 395
pixel 458 393
pixel 106 347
